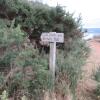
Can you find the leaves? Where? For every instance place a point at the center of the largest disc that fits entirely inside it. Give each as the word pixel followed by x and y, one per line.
pixel 35 17
pixel 4 95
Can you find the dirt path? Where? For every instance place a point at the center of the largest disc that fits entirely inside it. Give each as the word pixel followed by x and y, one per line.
pixel 87 84
pixel 93 61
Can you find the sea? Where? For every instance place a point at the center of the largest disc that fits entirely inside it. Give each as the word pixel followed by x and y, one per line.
pixel 93 31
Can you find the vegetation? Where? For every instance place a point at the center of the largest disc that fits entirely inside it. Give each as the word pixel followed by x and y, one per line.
pixel 24 70
pixel 4 96
pixel 28 72
pixel 97 78
pixel 35 18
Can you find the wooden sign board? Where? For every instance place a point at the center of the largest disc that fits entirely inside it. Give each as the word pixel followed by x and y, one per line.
pixel 52 37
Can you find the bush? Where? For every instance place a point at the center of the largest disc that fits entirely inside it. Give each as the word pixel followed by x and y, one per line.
pixel 97 75
pixel 35 18
pixel 69 67
pixel 97 78
pixel 28 72
pixel 4 95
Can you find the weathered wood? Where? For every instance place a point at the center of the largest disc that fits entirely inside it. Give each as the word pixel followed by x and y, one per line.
pixel 52 37
pixel 52 59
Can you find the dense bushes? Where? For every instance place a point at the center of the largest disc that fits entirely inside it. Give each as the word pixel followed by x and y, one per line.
pixel 27 71
pixel 35 17
pixel 96 77
pixel 69 67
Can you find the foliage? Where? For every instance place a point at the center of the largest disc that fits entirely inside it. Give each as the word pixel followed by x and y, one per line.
pixel 69 68
pixel 4 95
pixel 8 39
pixel 97 78
pixel 28 73
pixel 35 17
pixel 97 75
pixel 28 70
pixel 24 98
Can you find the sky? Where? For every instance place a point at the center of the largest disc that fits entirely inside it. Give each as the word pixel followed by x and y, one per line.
pixel 89 10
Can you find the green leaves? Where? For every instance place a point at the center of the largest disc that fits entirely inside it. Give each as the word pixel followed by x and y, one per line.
pixel 35 17
pixel 4 95
pixel 69 66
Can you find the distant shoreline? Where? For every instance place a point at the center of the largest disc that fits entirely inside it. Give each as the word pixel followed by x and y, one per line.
pixel 94 34
pixel 93 31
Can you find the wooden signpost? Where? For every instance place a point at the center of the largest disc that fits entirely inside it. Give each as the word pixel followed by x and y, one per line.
pixel 53 38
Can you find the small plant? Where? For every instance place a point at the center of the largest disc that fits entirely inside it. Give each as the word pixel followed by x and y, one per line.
pixel 4 95
pixel 28 70
pixel 97 78
pixel 69 67
pixel 24 98
pixel 97 75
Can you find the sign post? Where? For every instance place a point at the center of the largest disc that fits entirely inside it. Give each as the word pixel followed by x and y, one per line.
pixel 52 38
pixel 52 59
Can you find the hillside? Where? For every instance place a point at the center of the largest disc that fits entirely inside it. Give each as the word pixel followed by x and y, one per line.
pixel 24 62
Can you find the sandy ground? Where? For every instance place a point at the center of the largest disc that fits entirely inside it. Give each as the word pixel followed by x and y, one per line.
pixel 87 84
pixel 93 61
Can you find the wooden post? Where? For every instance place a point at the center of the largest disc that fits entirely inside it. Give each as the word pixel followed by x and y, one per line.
pixel 52 38
pixel 52 60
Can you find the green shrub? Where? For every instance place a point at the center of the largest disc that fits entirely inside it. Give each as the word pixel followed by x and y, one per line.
pixel 4 95
pixel 97 78
pixel 18 55
pixel 35 17
pixel 69 67
pixel 97 75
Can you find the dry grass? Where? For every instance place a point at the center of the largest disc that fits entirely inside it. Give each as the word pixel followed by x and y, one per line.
pixel 87 85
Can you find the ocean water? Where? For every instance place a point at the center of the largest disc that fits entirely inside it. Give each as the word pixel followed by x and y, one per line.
pixel 93 31
pixel 94 34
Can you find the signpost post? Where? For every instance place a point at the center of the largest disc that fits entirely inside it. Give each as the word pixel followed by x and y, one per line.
pixel 52 38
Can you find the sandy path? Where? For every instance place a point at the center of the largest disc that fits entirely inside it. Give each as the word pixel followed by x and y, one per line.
pixel 87 84
pixel 93 61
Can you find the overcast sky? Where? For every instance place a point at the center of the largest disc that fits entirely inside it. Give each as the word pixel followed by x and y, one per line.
pixel 89 10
